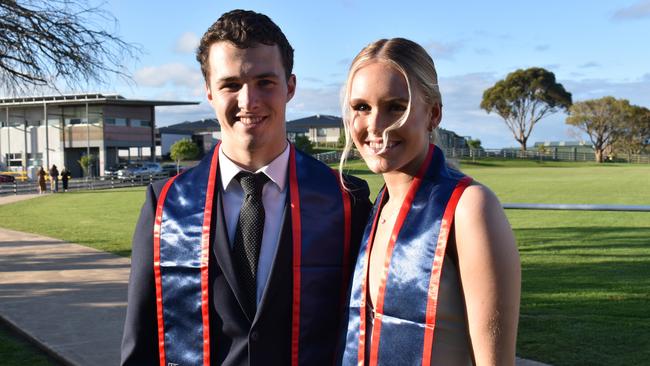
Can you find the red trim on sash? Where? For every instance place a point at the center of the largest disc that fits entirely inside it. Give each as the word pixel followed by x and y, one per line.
pixel 401 217
pixel 347 232
pixel 297 240
pixel 362 307
pixel 436 272
pixel 205 255
pixel 156 269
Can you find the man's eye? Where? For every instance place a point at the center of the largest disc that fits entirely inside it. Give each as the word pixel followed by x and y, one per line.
pixel 230 86
pixel 361 107
pixel 265 82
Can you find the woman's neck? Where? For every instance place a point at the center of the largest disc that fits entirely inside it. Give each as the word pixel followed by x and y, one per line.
pixel 397 185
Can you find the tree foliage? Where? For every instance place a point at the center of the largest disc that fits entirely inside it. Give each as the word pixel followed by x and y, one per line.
pixel 634 137
pixel 603 120
pixel 523 98
pixel 184 149
pixel 304 144
pixel 474 143
pixel 86 162
pixel 45 41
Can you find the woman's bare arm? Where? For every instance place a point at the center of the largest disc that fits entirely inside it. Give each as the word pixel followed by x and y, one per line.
pixel 490 275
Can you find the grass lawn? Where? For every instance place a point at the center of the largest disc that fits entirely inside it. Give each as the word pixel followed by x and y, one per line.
pixel 16 351
pixel 586 275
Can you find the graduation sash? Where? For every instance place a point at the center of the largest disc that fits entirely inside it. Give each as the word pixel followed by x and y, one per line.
pixel 405 313
pixel 320 218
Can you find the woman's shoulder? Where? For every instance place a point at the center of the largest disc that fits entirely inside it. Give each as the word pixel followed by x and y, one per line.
pixel 477 199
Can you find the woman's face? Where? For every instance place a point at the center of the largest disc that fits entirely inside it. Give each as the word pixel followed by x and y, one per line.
pixel 379 96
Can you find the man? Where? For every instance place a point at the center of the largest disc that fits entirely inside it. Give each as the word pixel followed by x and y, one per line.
pixel 234 268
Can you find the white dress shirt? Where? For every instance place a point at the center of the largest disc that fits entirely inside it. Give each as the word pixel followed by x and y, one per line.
pixel 274 196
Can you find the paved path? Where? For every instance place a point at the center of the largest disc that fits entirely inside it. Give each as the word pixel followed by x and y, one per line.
pixel 16 197
pixel 68 298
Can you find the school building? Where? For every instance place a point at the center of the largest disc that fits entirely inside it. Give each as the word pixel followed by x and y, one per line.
pixel 60 129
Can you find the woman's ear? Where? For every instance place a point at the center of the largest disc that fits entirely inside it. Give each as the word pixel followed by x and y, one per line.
pixel 435 117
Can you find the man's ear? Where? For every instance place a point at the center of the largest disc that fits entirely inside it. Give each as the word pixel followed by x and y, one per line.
pixel 291 87
pixel 208 91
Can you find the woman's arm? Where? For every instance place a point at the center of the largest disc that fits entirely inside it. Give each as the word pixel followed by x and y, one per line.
pixel 490 275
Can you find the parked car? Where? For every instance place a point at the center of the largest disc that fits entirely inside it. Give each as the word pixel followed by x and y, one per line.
pixel 151 168
pixel 112 171
pixel 169 169
pixel 6 178
pixel 129 171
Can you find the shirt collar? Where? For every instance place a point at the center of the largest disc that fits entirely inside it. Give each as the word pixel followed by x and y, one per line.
pixel 276 170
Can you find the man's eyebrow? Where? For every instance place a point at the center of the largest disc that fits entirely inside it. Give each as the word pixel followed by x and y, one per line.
pixel 264 75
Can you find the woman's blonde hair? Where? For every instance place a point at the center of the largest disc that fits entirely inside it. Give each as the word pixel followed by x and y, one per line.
pixel 407 57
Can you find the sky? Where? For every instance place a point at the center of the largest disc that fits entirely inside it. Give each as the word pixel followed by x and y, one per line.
pixel 595 48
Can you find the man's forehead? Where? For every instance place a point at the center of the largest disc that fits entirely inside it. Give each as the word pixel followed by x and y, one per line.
pixel 228 60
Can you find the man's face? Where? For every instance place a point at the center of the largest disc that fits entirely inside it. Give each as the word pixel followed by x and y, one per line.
pixel 249 91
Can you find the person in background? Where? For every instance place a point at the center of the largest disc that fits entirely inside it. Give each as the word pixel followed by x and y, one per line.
pixel 437 279
pixel 65 177
pixel 41 180
pixel 54 178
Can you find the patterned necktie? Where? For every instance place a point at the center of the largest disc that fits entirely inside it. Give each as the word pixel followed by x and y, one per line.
pixel 248 235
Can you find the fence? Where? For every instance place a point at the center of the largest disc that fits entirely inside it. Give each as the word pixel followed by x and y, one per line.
pixel 548 154
pixel 575 207
pixel 82 183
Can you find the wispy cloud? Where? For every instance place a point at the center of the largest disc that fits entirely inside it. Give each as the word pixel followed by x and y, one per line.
pixel 309 101
pixel 542 47
pixel 174 74
pixel 442 50
pixel 638 10
pixel 187 43
pixel 589 65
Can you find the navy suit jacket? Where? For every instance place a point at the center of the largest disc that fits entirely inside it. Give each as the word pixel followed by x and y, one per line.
pixel 235 339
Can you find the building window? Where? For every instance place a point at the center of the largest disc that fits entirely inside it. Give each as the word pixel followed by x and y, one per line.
pixel 321 132
pixel 116 121
pixel 140 123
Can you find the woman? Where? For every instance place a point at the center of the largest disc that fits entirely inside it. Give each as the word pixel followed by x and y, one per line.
pixel 437 279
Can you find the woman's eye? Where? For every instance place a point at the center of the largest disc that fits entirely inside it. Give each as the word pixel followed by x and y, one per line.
pixel 397 107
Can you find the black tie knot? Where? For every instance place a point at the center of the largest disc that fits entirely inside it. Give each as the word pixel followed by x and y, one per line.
pixel 252 183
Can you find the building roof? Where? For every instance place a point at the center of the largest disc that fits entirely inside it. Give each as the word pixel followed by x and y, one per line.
pixel 187 127
pixel 316 121
pixel 91 98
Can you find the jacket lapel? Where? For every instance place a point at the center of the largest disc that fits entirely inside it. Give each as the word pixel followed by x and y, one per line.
pixel 281 266
pixel 221 249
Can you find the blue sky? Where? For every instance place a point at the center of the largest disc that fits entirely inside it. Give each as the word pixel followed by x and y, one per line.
pixel 595 48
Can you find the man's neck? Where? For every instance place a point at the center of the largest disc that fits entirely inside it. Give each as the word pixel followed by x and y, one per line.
pixel 253 160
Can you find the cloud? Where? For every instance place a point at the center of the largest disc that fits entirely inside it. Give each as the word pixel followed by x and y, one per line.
pixel 174 74
pixel 542 47
pixel 441 50
pixel 310 101
pixel 590 64
pixel 633 12
pixel 187 43
pixel 166 116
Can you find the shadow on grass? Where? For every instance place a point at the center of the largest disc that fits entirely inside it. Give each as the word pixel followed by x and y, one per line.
pixel 585 295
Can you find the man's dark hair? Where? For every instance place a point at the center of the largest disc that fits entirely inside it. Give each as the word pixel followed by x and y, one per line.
pixel 244 29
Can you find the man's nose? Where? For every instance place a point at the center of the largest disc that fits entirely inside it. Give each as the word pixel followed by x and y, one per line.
pixel 247 98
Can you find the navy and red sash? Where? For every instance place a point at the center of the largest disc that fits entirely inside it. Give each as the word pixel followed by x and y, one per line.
pixel 405 313
pixel 320 218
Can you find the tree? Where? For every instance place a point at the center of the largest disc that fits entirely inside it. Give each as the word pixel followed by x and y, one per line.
pixel 45 41
pixel 86 163
pixel 601 119
pixel 474 144
pixel 635 133
pixel 304 144
pixel 523 98
pixel 184 149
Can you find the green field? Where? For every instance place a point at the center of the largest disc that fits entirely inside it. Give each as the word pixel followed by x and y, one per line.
pixel 586 275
